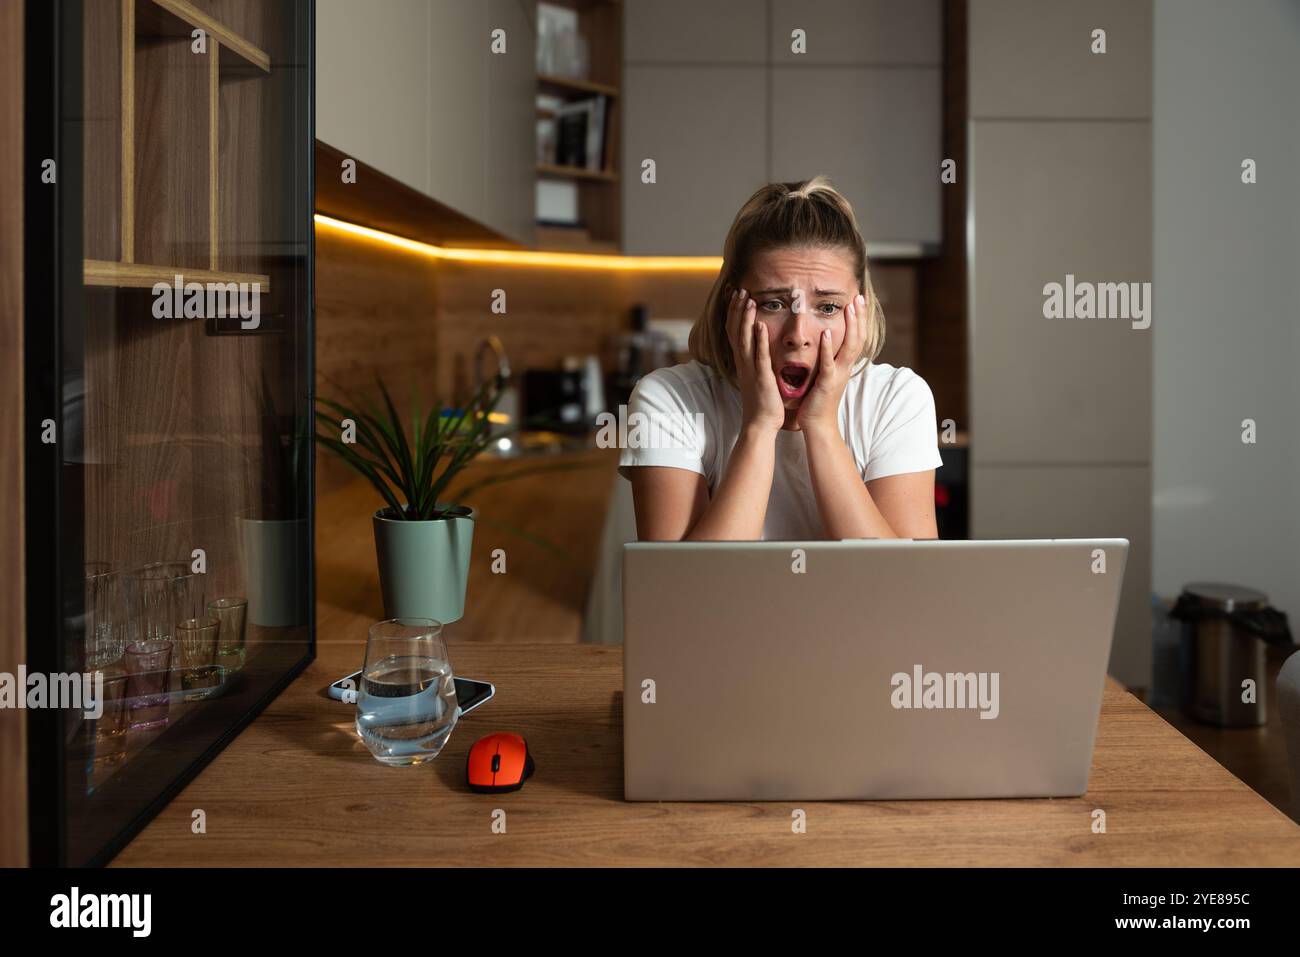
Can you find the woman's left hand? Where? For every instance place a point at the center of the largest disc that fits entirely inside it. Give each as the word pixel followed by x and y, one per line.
pixel 820 407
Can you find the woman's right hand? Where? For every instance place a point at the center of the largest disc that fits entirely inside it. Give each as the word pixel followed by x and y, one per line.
pixel 760 399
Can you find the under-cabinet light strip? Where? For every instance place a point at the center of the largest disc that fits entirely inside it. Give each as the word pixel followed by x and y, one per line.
pixel 513 257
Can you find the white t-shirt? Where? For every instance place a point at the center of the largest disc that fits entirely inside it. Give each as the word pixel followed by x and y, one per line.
pixel 886 417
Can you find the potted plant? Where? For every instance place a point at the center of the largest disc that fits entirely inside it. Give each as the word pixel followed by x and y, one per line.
pixel 423 536
pixel 275 539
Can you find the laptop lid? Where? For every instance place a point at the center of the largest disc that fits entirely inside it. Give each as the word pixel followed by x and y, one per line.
pixel 865 669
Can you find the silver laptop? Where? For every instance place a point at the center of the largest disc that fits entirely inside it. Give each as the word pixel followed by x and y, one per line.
pixel 867 670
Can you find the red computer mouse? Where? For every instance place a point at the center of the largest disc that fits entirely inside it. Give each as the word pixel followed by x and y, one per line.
pixel 498 762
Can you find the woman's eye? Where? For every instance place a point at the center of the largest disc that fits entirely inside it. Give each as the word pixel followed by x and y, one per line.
pixel 774 302
pixel 829 308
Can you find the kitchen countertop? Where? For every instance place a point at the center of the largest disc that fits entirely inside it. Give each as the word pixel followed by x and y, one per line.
pixel 298 788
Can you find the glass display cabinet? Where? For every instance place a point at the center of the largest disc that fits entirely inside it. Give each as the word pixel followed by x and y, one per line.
pixel 168 359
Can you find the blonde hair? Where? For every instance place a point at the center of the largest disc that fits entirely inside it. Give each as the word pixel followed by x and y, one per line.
pixel 778 216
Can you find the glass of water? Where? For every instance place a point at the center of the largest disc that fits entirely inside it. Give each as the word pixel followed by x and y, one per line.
pixel 406 705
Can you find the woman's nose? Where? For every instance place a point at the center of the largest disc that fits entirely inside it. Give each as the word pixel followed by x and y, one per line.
pixel 799 331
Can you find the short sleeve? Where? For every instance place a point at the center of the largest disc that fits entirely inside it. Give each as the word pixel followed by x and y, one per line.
pixel 665 425
pixel 905 437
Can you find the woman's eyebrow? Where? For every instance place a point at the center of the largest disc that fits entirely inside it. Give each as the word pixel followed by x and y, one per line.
pixel 787 289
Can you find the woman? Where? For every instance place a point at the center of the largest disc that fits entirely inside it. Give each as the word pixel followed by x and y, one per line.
pixel 803 436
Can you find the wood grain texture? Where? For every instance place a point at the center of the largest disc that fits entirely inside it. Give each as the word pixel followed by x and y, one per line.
pixel 942 330
pixel 297 786
pixel 214 116
pixel 13 622
pixel 172 142
pixel 189 15
pixel 1256 755
pixel 103 128
pixel 375 313
pixel 126 81
pixel 143 276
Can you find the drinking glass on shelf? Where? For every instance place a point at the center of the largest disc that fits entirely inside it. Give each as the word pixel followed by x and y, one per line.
pixel 406 705
pixel 233 615
pixel 105 616
pixel 160 595
pixel 196 639
pixel 110 726
pixel 148 681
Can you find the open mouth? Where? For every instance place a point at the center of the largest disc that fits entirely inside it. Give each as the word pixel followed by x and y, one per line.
pixel 793 380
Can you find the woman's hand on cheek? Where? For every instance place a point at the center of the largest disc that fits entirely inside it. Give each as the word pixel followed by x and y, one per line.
pixel 760 399
pixel 820 407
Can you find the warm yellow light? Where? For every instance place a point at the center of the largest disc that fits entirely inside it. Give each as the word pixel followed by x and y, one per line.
pixel 513 257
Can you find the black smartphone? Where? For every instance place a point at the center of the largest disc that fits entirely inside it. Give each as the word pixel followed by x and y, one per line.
pixel 469 693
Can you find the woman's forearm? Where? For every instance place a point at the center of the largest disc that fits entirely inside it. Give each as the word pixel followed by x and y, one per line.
pixel 739 506
pixel 845 505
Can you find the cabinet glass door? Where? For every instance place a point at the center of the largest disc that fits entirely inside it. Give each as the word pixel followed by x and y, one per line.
pixel 168 358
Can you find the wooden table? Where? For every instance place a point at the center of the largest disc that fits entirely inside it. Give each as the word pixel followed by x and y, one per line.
pixel 297 788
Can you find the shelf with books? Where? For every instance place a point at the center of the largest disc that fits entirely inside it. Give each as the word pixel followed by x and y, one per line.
pixel 578 125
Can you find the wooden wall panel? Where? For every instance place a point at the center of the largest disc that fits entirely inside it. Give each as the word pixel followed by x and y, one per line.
pixel 941 304
pixel 103 129
pixel 172 135
pixel 375 312
pixel 13 628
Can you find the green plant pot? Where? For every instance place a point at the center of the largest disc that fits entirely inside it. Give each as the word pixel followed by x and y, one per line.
pixel 424 566
pixel 275 558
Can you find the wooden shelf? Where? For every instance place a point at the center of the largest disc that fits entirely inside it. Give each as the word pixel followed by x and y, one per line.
pixel 547 82
pixel 192 17
pixel 576 172
pixel 99 272
pixel 599 206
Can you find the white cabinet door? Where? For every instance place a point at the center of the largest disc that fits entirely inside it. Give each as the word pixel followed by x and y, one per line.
pixel 1034 59
pixel 695 31
pixel 706 130
pixel 858 32
pixel 457 67
pixel 412 88
pixel 1051 200
pixel 372 90
pixel 876 132
pixel 510 113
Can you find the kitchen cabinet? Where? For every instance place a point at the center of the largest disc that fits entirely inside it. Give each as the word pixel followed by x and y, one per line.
pixel 1051 200
pixel 875 131
pixel 714 95
pixel 373 84
pixel 695 31
pixel 706 130
pixel 1029 58
pixel 858 32
pixel 413 89
pixel 510 116
pixel 1059 184
pixel 173 469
